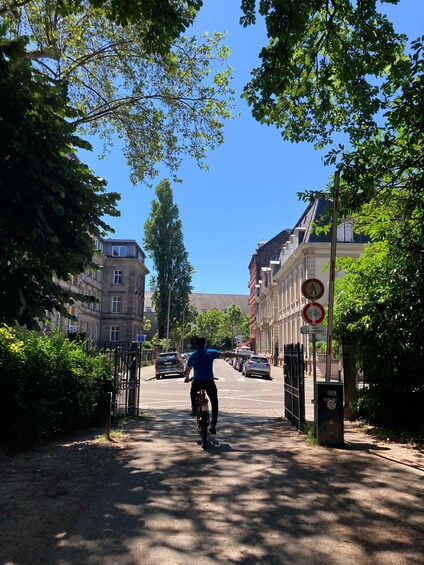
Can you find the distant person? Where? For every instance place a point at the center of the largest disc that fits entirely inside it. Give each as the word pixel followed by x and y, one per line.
pixel 201 360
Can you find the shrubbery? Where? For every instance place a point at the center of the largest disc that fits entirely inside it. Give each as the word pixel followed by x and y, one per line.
pixel 49 386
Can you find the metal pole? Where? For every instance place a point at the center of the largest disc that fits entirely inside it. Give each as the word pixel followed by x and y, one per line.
pixel 332 277
pixel 169 314
pixel 182 330
pixel 108 415
pixel 314 373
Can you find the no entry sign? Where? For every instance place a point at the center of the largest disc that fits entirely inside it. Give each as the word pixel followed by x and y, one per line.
pixel 313 313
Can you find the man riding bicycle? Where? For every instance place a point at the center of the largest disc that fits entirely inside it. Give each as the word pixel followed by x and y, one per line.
pixel 201 360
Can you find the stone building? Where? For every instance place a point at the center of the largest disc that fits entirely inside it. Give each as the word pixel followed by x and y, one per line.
pixel 118 287
pixel 124 274
pixel 266 251
pixel 304 255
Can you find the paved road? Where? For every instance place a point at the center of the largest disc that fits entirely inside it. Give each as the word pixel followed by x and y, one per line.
pixel 253 393
pixel 259 495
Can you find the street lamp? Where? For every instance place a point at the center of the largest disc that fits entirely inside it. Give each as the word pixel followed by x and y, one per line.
pixel 171 286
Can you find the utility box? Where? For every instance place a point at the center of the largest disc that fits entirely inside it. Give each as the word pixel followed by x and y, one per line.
pixel 330 412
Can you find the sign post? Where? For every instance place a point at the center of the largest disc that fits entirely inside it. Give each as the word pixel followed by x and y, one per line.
pixel 313 313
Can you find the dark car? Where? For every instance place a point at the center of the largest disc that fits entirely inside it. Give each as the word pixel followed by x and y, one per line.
pixel 257 366
pixel 169 363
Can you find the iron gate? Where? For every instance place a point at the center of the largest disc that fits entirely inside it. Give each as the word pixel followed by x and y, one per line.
pixel 294 384
pixel 127 380
pixel 126 359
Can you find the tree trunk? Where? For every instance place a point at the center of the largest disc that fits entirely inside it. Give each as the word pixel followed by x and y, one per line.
pixel 349 379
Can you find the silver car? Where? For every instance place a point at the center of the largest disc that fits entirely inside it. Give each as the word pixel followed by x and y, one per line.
pixel 257 366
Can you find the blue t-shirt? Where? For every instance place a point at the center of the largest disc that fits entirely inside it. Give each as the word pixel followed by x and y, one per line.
pixel 202 360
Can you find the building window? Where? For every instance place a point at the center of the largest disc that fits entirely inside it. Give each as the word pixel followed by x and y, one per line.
pixel 114 333
pixel 117 277
pixel 116 304
pixel 119 250
pixel 345 232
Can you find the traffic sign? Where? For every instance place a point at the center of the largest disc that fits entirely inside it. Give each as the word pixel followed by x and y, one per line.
pixel 314 329
pixel 313 313
pixel 141 338
pixel 312 289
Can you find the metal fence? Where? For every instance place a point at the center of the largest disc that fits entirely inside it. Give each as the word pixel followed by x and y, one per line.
pixel 294 384
pixel 126 360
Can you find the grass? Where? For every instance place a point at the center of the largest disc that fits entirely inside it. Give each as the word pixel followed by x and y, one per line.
pixel 415 440
pixel 309 431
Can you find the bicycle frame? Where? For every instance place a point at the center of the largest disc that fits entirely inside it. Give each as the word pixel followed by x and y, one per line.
pixel 202 415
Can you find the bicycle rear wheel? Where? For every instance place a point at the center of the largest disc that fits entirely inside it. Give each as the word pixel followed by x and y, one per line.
pixel 204 428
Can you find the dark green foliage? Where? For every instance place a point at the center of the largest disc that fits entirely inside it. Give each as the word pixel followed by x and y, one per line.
pixel 164 20
pixel 50 203
pixel 49 386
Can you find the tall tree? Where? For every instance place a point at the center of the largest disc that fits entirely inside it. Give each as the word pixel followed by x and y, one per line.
pixel 163 103
pixel 164 242
pixel 232 322
pixel 210 325
pixel 50 203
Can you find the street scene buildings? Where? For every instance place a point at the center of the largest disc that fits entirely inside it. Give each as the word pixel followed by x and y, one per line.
pixel 118 287
pixel 277 270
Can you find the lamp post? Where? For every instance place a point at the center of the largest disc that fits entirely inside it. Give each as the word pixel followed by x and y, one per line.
pixel 171 286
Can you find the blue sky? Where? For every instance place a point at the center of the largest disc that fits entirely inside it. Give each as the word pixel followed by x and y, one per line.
pixel 249 193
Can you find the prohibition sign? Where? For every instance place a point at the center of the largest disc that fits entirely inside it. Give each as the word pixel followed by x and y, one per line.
pixel 313 313
pixel 312 289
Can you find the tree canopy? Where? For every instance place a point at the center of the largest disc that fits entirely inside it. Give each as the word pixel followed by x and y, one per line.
pixel 163 20
pixel 221 327
pixel 163 104
pixel 164 241
pixel 51 204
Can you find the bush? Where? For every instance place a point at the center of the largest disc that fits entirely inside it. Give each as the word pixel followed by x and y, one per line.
pixel 49 386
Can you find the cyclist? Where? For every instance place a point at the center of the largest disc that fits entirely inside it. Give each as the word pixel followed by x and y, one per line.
pixel 201 360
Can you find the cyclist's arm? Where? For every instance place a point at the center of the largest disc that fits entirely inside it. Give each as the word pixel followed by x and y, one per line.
pixel 187 371
pixel 228 355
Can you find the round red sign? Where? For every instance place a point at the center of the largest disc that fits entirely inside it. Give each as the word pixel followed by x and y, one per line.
pixel 312 289
pixel 313 313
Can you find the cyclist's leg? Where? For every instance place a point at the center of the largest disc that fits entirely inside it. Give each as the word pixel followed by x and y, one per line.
pixel 213 395
pixel 195 387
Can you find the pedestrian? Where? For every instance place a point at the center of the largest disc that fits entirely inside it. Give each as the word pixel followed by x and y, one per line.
pixel 201 361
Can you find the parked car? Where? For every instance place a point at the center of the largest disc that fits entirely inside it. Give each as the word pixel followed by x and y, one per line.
pixel 256 365
pixel 243 354
pixel 169 363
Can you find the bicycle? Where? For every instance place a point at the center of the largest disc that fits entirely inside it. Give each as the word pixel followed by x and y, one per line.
pixel 202 413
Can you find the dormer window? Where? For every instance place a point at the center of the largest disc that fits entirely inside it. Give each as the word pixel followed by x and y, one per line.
pixel 119 250
pixel 345 232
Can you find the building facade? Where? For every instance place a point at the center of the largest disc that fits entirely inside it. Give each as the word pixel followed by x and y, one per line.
pixel 279 300
pixel 117 286
pixel 266 251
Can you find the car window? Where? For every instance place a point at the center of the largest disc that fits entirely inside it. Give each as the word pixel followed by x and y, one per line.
pixel 259 359
pixel 168 357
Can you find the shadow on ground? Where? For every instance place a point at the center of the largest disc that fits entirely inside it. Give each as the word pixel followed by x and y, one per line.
pixel 258 495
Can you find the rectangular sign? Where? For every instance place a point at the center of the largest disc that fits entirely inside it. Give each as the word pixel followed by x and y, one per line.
pixel 313 329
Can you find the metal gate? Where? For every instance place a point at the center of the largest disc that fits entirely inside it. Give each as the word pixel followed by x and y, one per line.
pixel 127 361
pixel 294 384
